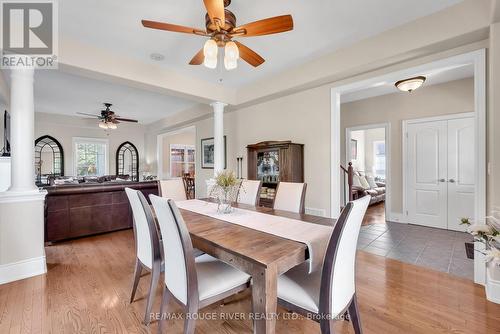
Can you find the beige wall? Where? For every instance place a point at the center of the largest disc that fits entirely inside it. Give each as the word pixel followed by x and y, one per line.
pixel 181 138
pixel 449 98
pixel 64 128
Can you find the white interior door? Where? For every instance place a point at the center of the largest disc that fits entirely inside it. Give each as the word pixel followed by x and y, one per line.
pixel 461 171
pixel 426 174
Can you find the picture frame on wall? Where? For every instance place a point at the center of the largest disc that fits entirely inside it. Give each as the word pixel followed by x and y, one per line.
pixel 207 153
pixel 354 149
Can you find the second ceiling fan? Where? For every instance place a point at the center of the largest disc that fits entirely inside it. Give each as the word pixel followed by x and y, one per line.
pixel 221 28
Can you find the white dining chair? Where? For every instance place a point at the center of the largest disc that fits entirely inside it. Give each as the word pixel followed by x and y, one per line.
pixel 192 282
pixel 147 245
pixel 173 189
pixel 249 192
pixel 327 294
pixel 290 196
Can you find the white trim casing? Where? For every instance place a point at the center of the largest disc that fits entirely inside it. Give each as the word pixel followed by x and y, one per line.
pixel 478 58
pixel 23 269
pixel 388 158
pixel 159 148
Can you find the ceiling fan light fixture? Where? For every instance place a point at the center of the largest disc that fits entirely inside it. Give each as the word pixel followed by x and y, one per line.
pixel 409 85
pixel 112 126
pixel 103 125
pixel 230 64
pixel 210 51
pixel 231 51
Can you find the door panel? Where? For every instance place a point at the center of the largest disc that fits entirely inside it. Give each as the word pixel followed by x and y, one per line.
pixel 427 169
pixel 461 171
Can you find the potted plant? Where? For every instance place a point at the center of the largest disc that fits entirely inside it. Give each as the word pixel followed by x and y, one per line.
pixel 225 191
pixel 489 235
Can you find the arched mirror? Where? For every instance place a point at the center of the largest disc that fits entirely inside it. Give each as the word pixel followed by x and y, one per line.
pixel 49 159
pixel 127 161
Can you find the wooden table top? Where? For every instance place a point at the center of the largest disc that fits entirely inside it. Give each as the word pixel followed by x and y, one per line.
pixel 257 247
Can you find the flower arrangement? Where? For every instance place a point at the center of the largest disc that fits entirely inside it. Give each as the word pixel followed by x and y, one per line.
pixel 488 234
pixel 225 190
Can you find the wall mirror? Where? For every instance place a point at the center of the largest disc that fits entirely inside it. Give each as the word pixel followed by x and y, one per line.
pixel 127 161
pixel 49 159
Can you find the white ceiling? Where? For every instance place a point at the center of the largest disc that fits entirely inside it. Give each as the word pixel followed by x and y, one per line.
pixel 433 78
pixel 62 93
pixel 321 26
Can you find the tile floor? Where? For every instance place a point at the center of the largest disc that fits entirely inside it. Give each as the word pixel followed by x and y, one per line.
pixel 441 250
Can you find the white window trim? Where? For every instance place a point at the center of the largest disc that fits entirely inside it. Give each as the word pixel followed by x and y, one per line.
pixel 375 143
pixel 91 140
pixel 185 148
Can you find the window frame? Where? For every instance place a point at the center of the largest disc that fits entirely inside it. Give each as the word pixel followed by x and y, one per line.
pixel 375 156
pixel 86 140
pixel 186 148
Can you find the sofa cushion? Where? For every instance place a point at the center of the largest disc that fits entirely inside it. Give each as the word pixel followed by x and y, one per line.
pixel 371 182
pixel 380 190
pixel 364 183
pixel 372 192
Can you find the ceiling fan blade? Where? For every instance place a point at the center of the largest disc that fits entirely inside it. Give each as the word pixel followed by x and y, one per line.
pixel 215 10
pixel 172 27
pixel 249 55
pixel 126 120
pixel 198 58
pixel 272 25
pixel 85 114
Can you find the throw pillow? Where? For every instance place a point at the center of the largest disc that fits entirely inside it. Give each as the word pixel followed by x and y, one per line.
pixel 371 182
pixel 364 183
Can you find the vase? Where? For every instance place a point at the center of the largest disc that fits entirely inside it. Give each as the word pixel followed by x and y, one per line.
pixel 493 281
pixel 224 204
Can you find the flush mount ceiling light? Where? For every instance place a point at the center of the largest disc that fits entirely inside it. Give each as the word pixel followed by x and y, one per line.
pixel 157 56
pixel 409 85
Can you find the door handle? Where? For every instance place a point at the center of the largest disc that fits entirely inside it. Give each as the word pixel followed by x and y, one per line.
pixel 442 180
pixel 451 180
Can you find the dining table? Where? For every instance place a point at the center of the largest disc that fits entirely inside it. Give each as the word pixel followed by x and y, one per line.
pixel 262 255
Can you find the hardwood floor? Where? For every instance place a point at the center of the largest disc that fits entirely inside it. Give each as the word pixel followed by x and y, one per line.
pixel 375 214
pixel 87 288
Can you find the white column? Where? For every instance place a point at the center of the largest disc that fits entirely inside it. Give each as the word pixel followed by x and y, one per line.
pixel 22 128
pixel 218 136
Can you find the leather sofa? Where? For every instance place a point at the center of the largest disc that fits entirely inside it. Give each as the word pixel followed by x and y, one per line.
pixel 78 210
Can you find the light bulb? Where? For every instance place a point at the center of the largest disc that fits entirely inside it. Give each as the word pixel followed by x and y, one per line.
pixel 210 49
pixel 103 125
pixel 230 64
pixel 112 125
pixel 231 51
pixel 210 62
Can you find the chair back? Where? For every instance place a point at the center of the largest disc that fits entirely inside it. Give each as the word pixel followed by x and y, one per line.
pixel 173 189
pixel 249 192
pixel 290 197
pixel 338 277
pixel 147 242
pixel 181 278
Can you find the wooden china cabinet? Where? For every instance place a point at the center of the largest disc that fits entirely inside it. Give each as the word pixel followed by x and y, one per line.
pixel 272 162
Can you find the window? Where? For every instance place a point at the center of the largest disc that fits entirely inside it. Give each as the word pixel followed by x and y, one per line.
pixel 182 160
pixel 91 156
pixel 379 159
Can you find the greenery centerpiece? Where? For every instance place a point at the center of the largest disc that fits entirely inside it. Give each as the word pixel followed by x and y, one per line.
pixel 488 234
pixel 225 190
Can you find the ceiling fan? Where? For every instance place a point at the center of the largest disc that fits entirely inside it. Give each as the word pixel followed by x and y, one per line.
pixel 108 119
pixel 220 27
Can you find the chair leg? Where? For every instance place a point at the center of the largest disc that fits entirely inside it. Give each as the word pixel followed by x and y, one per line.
pixel 137 276
pixel 164 302
pixel 190 321
pixel 326 326
pixel 354 315
pixel 155 276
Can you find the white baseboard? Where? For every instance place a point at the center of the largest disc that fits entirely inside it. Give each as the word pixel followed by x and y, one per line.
pixel 396 217
pixel 23 269
pixel 316 212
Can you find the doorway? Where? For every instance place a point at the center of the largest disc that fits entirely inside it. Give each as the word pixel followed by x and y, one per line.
pixel 177 154
pixel 368 149
pixel 440 170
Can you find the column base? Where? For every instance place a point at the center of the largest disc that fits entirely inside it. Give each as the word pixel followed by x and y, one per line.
pixel 22 252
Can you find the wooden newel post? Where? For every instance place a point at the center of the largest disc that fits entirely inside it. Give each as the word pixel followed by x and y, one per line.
pixel 350 176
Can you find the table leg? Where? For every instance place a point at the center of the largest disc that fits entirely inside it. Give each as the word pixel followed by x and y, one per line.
pixel 264 300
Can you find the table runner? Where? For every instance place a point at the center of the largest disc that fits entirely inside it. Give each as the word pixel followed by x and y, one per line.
pixel 315 236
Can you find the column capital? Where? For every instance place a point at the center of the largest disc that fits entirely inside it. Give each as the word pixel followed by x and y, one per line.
pixel 218 104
